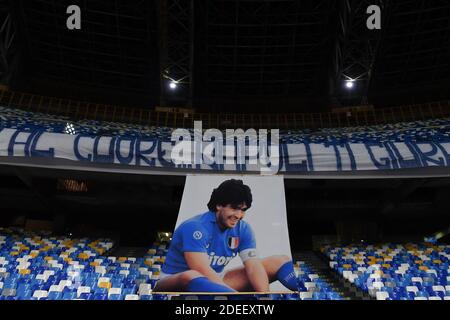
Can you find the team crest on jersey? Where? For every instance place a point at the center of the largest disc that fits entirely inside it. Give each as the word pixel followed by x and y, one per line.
pixel 233 242
pixel 197 235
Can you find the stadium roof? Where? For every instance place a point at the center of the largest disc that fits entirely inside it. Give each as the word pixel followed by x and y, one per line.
pixel 233 55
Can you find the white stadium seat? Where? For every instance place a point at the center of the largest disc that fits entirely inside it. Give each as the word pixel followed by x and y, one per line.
pixel 41 277
pixel 114 291
pixel 381 295
pixel 40 294
pixel 306 295
pixel 309 285
pixel 438 288
pixel 84 289
pixel 65 283
pixel 412 289
pixel 378 284
pixel 56 288
pixel 145 289
pixel 416 279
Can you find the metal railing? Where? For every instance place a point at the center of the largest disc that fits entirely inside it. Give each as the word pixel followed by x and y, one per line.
pixel 78 110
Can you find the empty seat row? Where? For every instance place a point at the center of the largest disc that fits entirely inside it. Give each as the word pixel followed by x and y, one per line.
pixel 429 130
pixel 311 286
pixel 60 268
pixel 412 271
pixel 39 266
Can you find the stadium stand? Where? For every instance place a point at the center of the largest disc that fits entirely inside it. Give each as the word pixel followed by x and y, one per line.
pixel 429 130
pixel 37 266
pixel 394 271
pixel 312 286
pixel 360 172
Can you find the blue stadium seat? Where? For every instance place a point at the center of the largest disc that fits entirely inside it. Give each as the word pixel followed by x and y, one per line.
pixel 55 295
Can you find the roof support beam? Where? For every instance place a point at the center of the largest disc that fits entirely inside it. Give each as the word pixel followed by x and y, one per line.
pixel 176 35
pixel 356 49
pixel 9 48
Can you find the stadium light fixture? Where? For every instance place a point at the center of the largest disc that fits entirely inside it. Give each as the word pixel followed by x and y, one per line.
pixel 173 85
pixel 349 84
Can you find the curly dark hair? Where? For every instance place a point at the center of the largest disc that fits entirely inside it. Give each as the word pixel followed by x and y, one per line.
pixel 231 192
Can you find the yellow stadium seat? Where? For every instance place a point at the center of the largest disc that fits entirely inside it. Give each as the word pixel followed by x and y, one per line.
pixel 423 268
pixel 386 265
pixel 23 248
pixel 437 261
pixel 24 271
pixel 94 264
pixel 106 285
pixel 83 256
pixel 148 263
pixel 14 253
pixel 378 272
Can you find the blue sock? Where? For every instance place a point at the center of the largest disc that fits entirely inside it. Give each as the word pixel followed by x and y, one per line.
pixel 286 276
pixel 202 284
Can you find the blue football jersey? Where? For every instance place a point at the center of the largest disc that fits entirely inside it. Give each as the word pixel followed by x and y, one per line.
pixel 202 234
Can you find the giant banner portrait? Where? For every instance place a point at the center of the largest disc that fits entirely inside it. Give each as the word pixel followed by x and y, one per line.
pixel 231 235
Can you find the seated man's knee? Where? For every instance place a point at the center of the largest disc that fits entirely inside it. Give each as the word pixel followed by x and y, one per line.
pixel 274 263
pixel 282 259
pixel 188 276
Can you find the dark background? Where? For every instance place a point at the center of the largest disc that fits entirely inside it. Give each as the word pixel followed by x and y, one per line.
pixel 238 55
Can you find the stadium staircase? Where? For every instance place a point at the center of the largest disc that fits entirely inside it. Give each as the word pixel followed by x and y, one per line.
pixel 319 264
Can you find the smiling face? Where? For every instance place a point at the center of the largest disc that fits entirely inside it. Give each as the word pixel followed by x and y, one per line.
pixel 228 216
